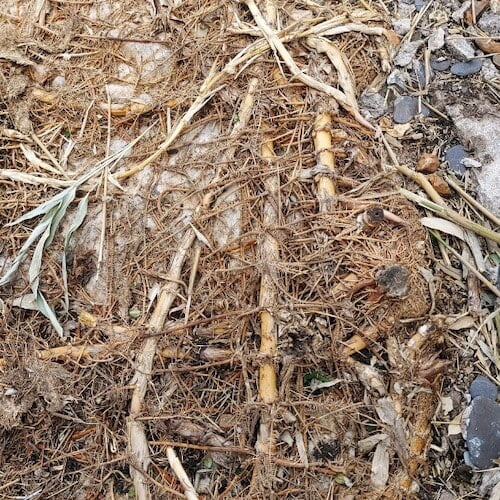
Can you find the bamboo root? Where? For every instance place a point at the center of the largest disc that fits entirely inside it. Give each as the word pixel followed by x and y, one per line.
pixel 137 437
pixel 325 158
pixel 269 254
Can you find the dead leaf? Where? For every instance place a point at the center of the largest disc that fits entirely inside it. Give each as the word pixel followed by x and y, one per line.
pixel 443 225
pixel 380 466
pixel 446 404
pixel 455 426
pixel 462 323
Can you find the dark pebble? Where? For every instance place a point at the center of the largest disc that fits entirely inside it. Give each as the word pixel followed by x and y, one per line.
pixel 454 157
pixel 405 108
pixel 483 432
pixel 467 68
pixel 440 65
pixel 482 386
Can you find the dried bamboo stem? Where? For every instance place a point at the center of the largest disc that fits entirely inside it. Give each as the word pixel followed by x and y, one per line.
pixel 276 45
pixel 138 443
pixel 325 158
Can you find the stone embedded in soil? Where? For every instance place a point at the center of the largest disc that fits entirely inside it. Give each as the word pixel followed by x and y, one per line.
pixel 441 65
pixel 405 109
pixel 372 105
pixel 401 26
pixel 436 39
pixel 428 163
pixel 490 23
pixel 393 280
pixel 440 185
pixel 399 78
pixel 407 53
pixel 477 123
pixel 467 68
pixel 419 70
pixel 483 432
pixel 483 386
pixel 460 48
pixel 454 157
pixel 489 71
pixel 419 5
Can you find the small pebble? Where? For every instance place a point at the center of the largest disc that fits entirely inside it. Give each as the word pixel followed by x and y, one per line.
pixel 405 108
pixel 419 5
pixel 439 184
pixel 436 39
pixel 440 65
pixel 467 68
pixel 407 53
pixel 483 432
pixel 373 104
pixel 482 386
pixel 398 78
pixel 461 48
pixel 428 163
pixel 454 157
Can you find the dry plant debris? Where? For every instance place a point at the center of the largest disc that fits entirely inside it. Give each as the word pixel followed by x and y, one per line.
pixel 238 297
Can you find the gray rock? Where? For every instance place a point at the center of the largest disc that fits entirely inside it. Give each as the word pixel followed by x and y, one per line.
pixel 490 22
pixel 419 5
pixel 401 26
pixel 489 71
pixel 373 104
pixel 460 48
pixel 454 157
pixel 405 109
pixel 399 78
pixel 440 65
pixel 405 10
pixel 467 67
pixel 478 123
pixel 482 386
pixel 436 39
pixel 483 432
pixel 407 53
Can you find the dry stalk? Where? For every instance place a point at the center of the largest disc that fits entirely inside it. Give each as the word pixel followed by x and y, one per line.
pixel 137 437
pixel 277 46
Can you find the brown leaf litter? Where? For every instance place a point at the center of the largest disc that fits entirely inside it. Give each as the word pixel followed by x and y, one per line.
pixel 250 314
